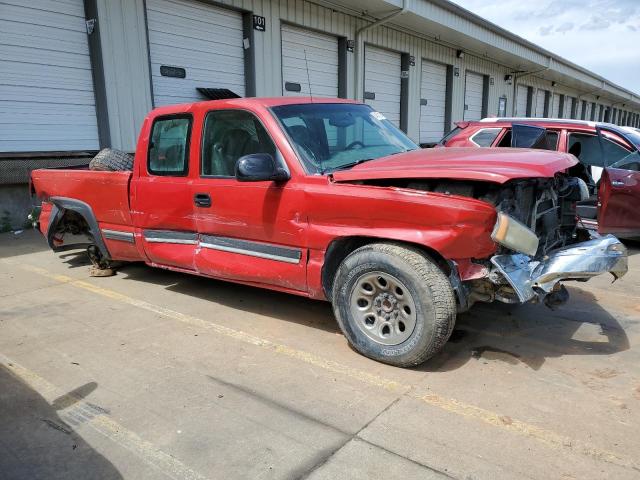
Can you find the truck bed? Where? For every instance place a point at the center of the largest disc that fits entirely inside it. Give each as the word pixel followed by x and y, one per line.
pixel 106 192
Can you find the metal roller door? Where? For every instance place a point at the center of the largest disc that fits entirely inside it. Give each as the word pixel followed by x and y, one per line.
pixel 521 101
pixel 433 93
pixel 47 101
pixel 321 58
pixel 382 70
pixel 191 45
pixel 555 106
pixel 473 93
pixel 540 98
pixel 568 103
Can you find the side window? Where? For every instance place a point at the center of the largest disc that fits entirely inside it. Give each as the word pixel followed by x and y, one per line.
pixel 169 146
pixel 485 137
pixel 614 153
pixel 506 139
pixel 229 135
pixel 552 140
pixel 586 148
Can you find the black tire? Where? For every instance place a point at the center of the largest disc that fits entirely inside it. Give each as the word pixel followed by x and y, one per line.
pixel 430 292
pixel 111 160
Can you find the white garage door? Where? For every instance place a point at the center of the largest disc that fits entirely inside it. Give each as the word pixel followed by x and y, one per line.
pixel 198 40
pixel 46 86
pixel 540 98
pixel 569 106
pixel 433 94
pixel 521 101
pixel 321 59
pixel 382 70
pixel 555 106
pixel 473 89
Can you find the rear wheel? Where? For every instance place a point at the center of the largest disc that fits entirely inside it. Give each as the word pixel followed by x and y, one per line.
pixel 394 304
pixel 109 159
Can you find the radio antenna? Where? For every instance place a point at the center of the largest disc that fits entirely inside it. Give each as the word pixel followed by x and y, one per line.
pixel 306 62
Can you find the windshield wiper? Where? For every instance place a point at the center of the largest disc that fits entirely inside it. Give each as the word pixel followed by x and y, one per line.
pixel 346 166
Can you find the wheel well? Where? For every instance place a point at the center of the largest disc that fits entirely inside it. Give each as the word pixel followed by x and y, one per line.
pixel 340 249
pixel 76 217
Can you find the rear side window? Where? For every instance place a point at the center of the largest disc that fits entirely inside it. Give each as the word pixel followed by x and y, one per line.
pixel 485 137
pixel 169 146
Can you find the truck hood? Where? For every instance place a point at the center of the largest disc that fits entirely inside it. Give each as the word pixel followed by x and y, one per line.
pixel 497 165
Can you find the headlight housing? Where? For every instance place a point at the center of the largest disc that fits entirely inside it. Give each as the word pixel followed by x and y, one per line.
pixel 512 234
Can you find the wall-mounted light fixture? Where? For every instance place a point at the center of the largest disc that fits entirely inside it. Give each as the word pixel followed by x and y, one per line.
pixel 460 53
pixel 508 79
pixel 553 84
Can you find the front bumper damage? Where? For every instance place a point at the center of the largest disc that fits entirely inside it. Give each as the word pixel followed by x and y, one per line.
pixel 537 280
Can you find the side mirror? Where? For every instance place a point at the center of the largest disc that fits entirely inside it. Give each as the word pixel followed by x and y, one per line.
pixel 259 167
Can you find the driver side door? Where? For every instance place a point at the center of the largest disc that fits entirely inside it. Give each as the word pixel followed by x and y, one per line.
pixel 252 232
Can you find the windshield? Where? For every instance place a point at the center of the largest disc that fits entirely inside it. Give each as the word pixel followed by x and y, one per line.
pixel 334 136
pixel 634 136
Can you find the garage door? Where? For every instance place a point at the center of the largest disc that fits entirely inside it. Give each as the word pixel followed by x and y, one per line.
pixel 555 106
pixel 46 86
pixel 568 102
pixel 473 90
pixel 521 101
pixel 191 45
pixel 540 98
pixel 382 70
pixel 433 95
pixel 321 58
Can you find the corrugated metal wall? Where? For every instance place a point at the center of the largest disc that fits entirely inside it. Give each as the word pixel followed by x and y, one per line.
pixel 127 77
pixel 128 83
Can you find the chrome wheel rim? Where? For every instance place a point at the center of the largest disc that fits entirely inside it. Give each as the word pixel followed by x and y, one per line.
pixel 383 308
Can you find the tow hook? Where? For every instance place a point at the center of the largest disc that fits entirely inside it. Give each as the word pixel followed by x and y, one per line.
pixel 557 297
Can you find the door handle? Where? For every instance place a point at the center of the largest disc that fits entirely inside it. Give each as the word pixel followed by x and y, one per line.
pixel 617 183
pixel 202 200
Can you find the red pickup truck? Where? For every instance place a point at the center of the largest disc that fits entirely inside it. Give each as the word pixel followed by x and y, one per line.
pixel 328 199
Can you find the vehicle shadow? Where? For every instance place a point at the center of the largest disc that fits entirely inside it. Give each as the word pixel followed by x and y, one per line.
pixel 633 246
pixel 283 306
pixel 35 442
pixel 527 334
pixel 15 244
pixel 530 334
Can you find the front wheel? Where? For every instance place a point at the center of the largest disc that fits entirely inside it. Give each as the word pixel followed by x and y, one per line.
pixel 394 304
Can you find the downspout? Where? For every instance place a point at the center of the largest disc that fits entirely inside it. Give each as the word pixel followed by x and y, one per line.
pixel 517 77
pixel 359 90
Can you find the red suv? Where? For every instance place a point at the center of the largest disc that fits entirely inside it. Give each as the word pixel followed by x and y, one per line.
pixel 604 151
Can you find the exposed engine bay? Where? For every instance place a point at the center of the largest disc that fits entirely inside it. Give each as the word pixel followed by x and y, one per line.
pixel 545 205
pixel 538 236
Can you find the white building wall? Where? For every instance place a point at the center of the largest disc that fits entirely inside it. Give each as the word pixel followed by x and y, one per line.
pixel 128 82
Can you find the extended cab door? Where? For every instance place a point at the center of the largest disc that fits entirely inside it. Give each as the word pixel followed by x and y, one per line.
pixel 162 204
pixel 249 231
pixel 619 193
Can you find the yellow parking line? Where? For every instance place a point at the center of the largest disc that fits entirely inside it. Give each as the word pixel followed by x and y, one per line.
pixel 503 422
pixel 77 412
